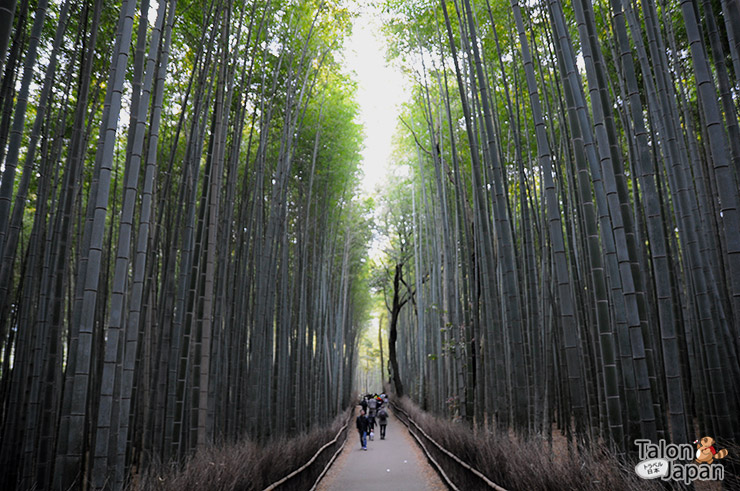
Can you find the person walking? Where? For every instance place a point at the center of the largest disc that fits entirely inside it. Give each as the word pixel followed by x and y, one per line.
pixel 372 405
pixel 362 426
pixel 382 422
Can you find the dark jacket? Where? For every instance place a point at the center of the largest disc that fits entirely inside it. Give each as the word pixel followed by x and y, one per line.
pixel 361 424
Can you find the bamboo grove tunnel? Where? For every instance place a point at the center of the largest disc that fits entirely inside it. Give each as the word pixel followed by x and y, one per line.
pixel 203 242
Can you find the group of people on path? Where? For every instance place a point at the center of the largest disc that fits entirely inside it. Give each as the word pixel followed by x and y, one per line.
pixel 373 409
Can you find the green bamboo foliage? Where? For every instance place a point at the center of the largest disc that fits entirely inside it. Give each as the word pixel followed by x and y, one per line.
pixel 182 254
pixel 632 305
pixel 170 252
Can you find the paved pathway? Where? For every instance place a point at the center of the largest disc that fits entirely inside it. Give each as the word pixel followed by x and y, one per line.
pixel 395 463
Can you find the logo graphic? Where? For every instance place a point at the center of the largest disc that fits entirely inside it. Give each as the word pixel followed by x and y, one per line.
pixel 705 452
pixel 669 461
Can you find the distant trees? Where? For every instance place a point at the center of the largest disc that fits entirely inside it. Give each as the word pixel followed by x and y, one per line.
pixel 577 216
pixel 396 225
pixel 182 253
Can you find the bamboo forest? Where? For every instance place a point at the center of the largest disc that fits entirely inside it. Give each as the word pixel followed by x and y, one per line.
pixel 191 261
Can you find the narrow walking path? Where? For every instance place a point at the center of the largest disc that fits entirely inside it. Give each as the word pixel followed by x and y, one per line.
pixel 395 463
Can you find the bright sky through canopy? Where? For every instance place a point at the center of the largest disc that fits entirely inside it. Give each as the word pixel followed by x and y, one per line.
pixel 380 91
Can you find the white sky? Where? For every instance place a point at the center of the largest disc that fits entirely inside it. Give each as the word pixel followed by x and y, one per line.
pixel 380 91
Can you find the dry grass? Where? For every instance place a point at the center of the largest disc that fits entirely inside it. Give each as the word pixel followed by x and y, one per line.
pixel 247 466
pixel 517 463
pixel 513 463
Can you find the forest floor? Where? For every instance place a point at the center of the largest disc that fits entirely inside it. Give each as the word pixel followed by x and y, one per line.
pixel 393 463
